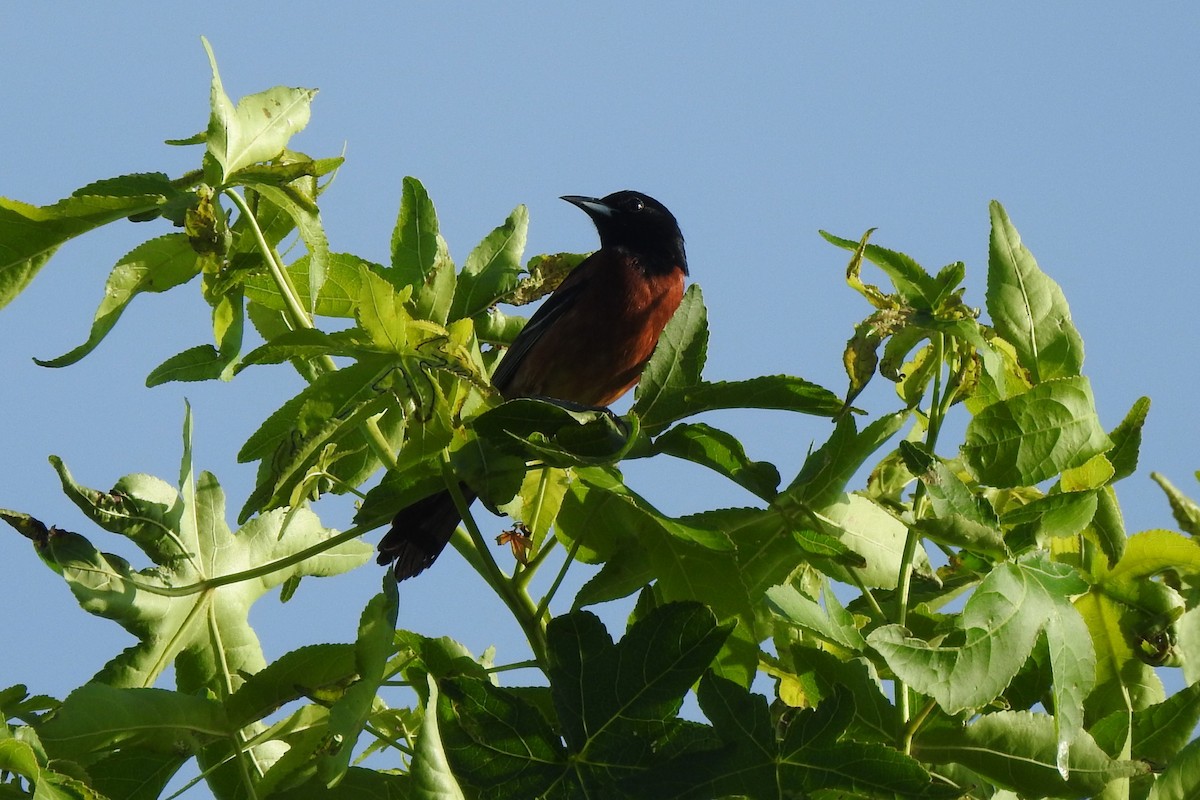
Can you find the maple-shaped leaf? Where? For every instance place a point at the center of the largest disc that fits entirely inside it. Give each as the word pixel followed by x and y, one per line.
pixel 185 608
pixel 610 713
pixel 726 559
pixel 805 753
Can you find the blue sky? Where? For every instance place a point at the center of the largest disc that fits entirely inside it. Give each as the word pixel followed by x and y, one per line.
pixel 756 126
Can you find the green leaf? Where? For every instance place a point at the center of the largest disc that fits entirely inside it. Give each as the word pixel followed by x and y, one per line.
pixel 1131 618
pixel 671 388
pixel 1055 515
pixel 206 362
pixel 1018 750
pixel 538 502
pixel 136 773
pixel 753 761
pixel 31 234
pixel 1181 779
pixel 774 392
pixel 817 674
pixel 676 363
pixel 1073 664
pixel 320 430
pixel 1089 476
pixel 721 452
pixel 999 625
pixel 271 325
pixel 154 266
pixel 129 774
pixel 830 467
pixel 339 294
pixel 599 502
pixel 726 559
pixel 430 768
pixel 1158 733
pixel 612 700
pixel 867 529
pixel 312 671
pixel 832 624
pixel 258 129
pixel 1109 525
pixel 96 719
pixel 1152 552
pixel 290 168
pixel 549 432
pixel 301 343
pixel 959 516
pixel 200 363
pixel 19 757
pixel 420 258
pixel 272 222
pixel 1185 510
pixel 1033 436
pixel 190 545
pixel 1028 308
pixel 312 232
pixel 349 714
pixel 383 314
pixel 497 742
pixel 615 703
pixel 1127 440
pixel 915 285
pixel 1124 682
pixel 491 271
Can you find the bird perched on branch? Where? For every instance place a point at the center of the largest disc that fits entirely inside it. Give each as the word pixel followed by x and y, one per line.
pixel 586 345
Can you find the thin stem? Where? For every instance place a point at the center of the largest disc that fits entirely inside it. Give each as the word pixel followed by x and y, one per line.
pixel 876 609
pixel 516 598
pixel 530 664
pixel 383 737
pixel 544 605
pixel 904 581
pixel 914 725
pixel 526 574
pixel 234 577
pixel 297 315
pixel 378 442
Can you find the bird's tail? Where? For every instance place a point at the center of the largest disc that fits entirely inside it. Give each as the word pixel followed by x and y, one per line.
pixel 420 532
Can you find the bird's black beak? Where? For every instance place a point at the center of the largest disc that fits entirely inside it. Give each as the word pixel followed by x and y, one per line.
pixel 592 206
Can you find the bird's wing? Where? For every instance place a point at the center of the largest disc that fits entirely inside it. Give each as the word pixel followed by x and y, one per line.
pixel 558 303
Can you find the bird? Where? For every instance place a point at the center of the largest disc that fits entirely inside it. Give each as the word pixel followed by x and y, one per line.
pixel 586 345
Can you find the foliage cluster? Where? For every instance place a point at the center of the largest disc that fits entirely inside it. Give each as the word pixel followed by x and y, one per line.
pixel 975 624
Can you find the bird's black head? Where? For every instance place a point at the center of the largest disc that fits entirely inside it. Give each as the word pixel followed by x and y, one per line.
pixel 639 223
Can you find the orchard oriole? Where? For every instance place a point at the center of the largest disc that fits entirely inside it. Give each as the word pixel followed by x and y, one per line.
pixel 586 345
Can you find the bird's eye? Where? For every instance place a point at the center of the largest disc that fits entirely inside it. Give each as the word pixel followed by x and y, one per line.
pixel 636 204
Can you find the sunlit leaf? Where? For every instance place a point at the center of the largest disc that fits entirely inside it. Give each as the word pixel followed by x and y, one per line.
pixel 1033 436
pixel 258 128
pixel 420 258
pixel 1185 510
pixel 187 538
pixel 154 266
pixel 999 624
pixel 31 234
pixel 1018 750
pixel 492 269
pixel 1028 308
